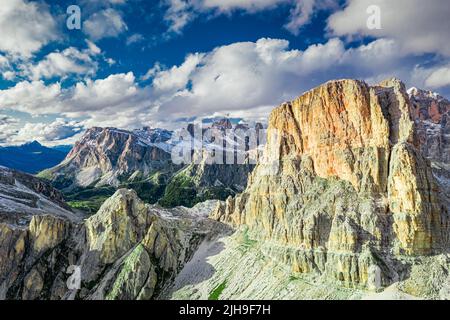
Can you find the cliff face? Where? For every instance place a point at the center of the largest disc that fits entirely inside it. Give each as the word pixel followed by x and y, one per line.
pixel 431 113
pixel 128 250
pixel 345 190
pixel 107 156
pixel 204 178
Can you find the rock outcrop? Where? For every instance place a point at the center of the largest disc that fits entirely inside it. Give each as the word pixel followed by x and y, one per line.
pixel 128 250
pixel 431 113
pixel 345 190
pixel 209 176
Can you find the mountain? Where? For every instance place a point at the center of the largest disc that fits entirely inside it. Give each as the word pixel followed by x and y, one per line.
pixel 108 156
pixel 344 204
pixel 23 196
pixel 106 159
pixel 128 250
pixel 346 196
pixel 204 179
pixel 31 157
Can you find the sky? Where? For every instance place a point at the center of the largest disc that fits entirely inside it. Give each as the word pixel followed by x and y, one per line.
pixel 160 63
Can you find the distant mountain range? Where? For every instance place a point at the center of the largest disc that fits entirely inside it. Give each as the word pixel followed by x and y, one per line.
pixel 32 157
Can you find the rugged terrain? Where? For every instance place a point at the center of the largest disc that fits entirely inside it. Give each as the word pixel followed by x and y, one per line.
pixel 107 159
pixel 109 156
pixel 346 192
pixel 128 250
pixel 349 201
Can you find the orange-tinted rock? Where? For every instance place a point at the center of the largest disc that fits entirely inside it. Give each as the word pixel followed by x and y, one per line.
pixel 348 188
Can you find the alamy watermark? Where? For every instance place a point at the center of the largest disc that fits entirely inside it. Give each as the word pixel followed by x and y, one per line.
pixel 374 19
pixel 73 21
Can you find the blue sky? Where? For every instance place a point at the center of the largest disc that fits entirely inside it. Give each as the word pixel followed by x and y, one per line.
pixel 137 62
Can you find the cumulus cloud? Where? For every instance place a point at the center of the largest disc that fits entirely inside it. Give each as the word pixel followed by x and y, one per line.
pixel 107 23
pixel 6 70
pixel 418 26
pixel 439 77
pixel 116 100
pixel 48 133
pixel 244 79
pixel 34 97
pixel 175 78
pixel 246 76
pixel 178 14
pixel 241 79
pixel 435 77
pixel 5 119
pixel 70 61
pixel 26 27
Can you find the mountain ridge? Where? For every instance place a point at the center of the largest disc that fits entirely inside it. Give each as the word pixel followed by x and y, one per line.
pixel 31 157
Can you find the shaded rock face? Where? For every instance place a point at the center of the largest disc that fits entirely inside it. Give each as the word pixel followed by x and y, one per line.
pixel 9 178
pixel 431 113
pixel 105 156
pixel 23 196
pixel 345 190
pixel 128 250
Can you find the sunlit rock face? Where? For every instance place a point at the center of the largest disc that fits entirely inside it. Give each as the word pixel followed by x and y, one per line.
pixel 128 250
pixel 107 156
pixel 346 190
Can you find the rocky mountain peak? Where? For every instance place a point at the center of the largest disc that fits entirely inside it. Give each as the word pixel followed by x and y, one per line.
pixel 103 156
pixel 348 190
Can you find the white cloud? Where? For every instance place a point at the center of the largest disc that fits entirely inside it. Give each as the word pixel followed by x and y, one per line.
pixel 93 49
pixel 9 75
pixel 26 27
pixel 175 78
pixel 253 75
pixel 135 38
pixel 7 128
pixel 245 79
pixel 4 62
pixel 114 101
pixel 178 14
pixel 70 61
pixel 33 97
pixel 418 26
pixel 439 78
pixel 107 23
pixel 6 69
pixel 436 77
pixel 300 15
pixel 5 119
pixel 231 5
pixel 56 132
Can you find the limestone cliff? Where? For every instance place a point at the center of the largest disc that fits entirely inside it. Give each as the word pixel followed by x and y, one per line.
pixel 345 190
pixel 128 250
